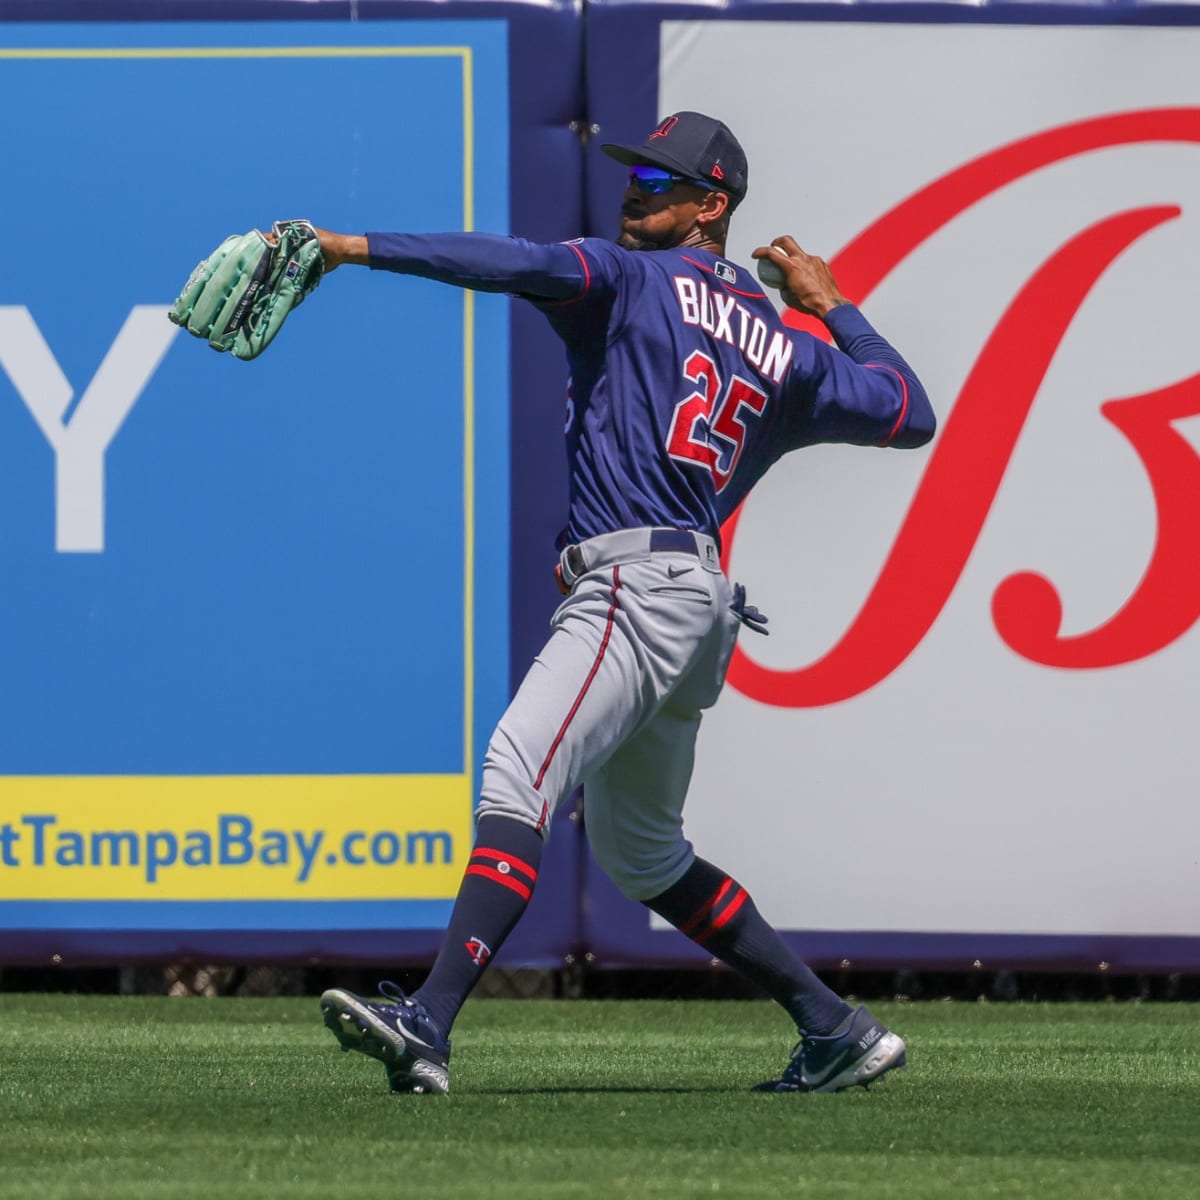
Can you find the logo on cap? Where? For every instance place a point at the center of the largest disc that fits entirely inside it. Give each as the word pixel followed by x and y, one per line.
pixel 664 128
pixel 716 172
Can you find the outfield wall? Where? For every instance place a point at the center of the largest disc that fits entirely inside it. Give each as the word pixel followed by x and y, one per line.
pixel 261 620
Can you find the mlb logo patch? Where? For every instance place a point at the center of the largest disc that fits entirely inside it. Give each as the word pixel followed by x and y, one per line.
pixel 724 271
pixel 293 269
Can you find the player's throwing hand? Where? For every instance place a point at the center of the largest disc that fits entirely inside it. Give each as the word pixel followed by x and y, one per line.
pixel 805 281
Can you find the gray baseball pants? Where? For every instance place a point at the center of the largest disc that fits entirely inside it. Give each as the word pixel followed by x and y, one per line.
pixel 638 649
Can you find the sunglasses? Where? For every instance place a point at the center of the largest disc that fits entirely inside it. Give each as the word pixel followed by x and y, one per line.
pixel 654 181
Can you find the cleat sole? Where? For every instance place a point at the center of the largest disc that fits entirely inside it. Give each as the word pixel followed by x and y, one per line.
pixel 888 1055
pixel 355 1029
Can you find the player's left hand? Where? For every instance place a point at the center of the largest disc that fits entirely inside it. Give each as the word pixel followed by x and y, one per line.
pixel 808 284
pixel 241 294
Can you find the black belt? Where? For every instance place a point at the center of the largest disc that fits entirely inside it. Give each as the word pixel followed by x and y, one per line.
pixel 681 541
pixel 675 541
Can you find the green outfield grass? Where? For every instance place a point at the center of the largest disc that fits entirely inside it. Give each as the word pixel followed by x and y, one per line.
pixel 136 1096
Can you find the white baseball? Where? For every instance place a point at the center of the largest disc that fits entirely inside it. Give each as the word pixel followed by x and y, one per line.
pixel 770 273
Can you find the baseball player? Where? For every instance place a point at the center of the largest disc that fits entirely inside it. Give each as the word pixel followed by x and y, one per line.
pixel 685 386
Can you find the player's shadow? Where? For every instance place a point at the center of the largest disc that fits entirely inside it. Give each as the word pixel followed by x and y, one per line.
pixel 606 1090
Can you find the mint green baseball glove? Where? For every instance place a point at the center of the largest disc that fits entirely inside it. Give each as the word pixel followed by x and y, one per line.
pixel 241 294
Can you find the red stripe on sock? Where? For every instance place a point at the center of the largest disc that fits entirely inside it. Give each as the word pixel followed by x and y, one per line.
pixel 702 913
pixel 515 863
pixel 703 936
pixel 587 683
pixel 507 880
pixel 731 908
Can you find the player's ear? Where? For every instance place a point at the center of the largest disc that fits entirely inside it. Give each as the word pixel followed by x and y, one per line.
pixel 713 207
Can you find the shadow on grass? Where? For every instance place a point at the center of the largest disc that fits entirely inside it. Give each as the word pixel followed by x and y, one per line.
pixel 607 1090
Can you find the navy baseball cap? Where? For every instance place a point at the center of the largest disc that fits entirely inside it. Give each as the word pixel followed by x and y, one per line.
pixel 691 144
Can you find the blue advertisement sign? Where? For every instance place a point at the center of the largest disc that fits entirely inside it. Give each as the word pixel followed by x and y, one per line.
pixel 246 675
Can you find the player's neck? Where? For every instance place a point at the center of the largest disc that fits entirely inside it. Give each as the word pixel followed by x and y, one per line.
pixel 697 239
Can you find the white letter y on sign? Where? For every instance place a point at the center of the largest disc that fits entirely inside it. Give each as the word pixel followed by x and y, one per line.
pixel 80 442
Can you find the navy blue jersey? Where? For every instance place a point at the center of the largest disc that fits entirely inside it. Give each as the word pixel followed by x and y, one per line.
pixel 685 385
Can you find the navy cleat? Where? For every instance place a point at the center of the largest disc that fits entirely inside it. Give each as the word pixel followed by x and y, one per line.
pixel 858 1052
pixel 397 1031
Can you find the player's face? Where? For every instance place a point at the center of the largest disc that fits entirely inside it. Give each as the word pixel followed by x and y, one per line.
pixel 659 220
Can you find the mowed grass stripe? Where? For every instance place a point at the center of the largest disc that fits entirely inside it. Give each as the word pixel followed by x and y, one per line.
pixel 152 1097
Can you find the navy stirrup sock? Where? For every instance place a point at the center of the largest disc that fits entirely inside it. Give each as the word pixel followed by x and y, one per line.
pixel 716 912
pixel 492 897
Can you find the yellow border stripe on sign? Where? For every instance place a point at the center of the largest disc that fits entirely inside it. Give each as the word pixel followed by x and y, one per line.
pixel 468 223
pixel 46 53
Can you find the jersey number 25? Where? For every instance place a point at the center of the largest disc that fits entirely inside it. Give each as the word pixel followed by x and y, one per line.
pixel 707 427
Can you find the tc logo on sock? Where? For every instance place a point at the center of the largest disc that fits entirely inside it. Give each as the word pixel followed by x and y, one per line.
pixel 479 951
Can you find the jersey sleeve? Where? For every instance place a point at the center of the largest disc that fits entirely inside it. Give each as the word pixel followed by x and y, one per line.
pixel 862 392
pixel 483 262
pixel 603 268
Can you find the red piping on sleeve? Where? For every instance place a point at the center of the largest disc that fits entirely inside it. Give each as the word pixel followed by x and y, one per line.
pixel 587 272
pixel 903 400
pixel 587 283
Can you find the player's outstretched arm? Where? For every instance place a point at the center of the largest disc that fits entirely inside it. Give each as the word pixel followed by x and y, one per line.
pixel 481 261
pixel 339 248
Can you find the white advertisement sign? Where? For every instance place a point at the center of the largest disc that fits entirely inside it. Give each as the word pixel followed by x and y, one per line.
pixel 977 709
